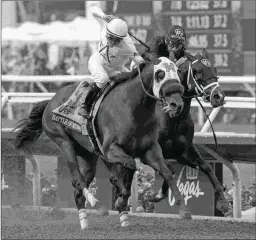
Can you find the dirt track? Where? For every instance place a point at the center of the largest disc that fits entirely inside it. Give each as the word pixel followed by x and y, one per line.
pixel 109 228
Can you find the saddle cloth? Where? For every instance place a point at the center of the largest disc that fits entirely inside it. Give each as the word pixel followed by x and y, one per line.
pixel 67 113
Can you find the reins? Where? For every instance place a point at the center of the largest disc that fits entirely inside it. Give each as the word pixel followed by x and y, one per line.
pixel 141 81
pixel 147 93
pixel 213 132
pixel 199 90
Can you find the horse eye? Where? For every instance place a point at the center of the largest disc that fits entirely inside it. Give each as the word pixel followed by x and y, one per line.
pixel 160 75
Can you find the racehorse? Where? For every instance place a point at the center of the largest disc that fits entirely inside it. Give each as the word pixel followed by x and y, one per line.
pixel 127 127
pixel 199 78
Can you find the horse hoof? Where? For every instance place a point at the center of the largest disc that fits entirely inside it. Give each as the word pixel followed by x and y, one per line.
pixel 155 198
pixel 125 223
pixel 83 219
pixel 103 211
pixel 223 206
pixel 124 219
pixel 84 226
pixel 185 214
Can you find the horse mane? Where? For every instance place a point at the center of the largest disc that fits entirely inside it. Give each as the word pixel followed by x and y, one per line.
pixel 125 76
pixel 190 57
pixel 158 47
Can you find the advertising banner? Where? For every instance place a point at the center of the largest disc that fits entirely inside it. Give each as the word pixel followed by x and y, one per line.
pixel 194 187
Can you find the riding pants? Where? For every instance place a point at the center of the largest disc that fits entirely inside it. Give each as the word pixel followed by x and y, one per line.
pixel 101 72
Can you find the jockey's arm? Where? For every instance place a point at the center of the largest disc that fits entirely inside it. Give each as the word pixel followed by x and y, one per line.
pixel 100 16
pixel 136 60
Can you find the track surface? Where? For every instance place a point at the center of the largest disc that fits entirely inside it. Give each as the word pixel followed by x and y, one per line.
pixel 43 226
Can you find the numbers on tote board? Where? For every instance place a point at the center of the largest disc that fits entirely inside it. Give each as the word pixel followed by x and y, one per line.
pixel 220 40
pixel 220 59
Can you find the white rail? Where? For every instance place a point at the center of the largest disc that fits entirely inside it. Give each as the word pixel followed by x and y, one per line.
pixel 23 97
pixel 237 203
pixel 68 78
pixel 230 102
pixel 39 96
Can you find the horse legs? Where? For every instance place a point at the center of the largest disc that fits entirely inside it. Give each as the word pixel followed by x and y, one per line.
pixel 87 164
pixel 222 202
pixel 163 191
pixel 122 179
pixel 68 150
pixel 154 158
pixel 193 158
pixel 118 186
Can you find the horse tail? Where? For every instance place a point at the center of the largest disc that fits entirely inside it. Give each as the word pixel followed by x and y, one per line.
pixel 30 129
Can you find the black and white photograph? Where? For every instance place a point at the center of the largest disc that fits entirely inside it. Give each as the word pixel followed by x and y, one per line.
pixel 128 119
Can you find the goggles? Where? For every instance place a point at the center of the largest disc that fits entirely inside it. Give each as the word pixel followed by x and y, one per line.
pixel 175 41
pixel 113 39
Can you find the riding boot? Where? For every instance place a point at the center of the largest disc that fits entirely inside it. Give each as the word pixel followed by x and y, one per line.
pixel 89 99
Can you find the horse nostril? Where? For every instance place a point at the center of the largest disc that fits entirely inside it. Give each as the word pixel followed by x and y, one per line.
pixel 173 105
pixel 217 96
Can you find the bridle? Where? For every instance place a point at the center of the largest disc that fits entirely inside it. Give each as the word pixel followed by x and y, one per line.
pixel 160 99
pixel 199 89
pixel 144 89
pixel 140 77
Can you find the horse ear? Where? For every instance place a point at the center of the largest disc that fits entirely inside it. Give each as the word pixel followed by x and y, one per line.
pixel 190 57
pixel 205 53
pixel 147 56
pixel 157 61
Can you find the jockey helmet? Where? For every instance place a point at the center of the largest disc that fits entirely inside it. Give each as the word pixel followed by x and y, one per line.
pixel 176 35
pixel 176 41
pixel 117 28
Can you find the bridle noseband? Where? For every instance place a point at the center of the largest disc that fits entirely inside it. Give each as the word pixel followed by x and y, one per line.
pixel 199 89
pixel 161 99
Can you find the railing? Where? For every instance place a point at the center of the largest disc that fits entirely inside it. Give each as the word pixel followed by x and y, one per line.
pixel 231 102
pixel 246 81
pixel 75 78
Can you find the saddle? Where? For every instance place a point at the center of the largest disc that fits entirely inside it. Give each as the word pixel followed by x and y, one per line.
pixel 67 113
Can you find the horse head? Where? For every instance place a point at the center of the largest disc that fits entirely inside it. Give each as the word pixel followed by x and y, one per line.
pixel 166 85
pixel 202 79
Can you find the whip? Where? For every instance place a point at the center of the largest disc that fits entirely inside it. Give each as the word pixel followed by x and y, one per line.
pixel 141 42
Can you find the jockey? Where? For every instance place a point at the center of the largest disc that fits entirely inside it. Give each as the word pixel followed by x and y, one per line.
pixel 171 45
pixel 175 40
pixel 115 49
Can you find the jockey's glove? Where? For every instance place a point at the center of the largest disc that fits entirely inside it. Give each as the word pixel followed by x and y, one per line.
pixel 122 77
pixel 108 18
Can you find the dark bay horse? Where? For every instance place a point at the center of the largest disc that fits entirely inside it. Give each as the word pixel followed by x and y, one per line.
pixel 127 126
pixel 199 78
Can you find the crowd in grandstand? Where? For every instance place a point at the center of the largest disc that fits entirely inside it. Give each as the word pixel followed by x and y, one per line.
pixel 34 59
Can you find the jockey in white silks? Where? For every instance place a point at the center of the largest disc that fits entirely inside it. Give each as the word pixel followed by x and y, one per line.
pixel 115 49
